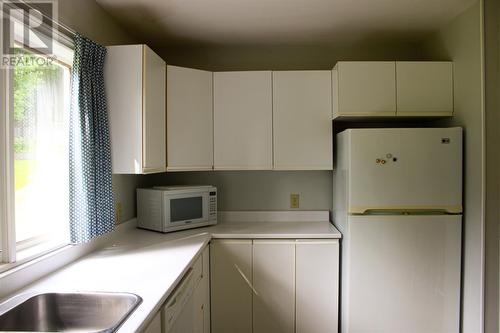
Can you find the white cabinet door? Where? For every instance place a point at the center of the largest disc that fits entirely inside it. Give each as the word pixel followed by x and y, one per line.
pixel 135 93
pixel 274 283
pixel 424 88
pixel 123 79
pixel 155 325
pixel 242 120
pixel 317 283
pixel 189 119
pixel 231 293
pixel 302 103
pixel 364 88
pixel 154 112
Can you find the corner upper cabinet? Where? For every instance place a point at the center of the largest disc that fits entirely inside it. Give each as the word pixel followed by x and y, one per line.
pixel 364 88
pixel 189 119
pixel 424 88
pixel 302 104
pixel 135 88
pixel 243 121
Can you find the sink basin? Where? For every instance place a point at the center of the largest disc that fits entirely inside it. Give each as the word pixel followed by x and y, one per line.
pixel 60 312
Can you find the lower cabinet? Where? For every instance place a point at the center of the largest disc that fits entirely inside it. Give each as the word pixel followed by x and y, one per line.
pixel 274 284
pixel 231 285
pixel 266 286
pixel 316 286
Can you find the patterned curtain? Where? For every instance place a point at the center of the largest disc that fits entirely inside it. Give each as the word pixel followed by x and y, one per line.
pixel 91 192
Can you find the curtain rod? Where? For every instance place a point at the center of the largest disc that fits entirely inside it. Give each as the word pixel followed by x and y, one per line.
pixel 59 24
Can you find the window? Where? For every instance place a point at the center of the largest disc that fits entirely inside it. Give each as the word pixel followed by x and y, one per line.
pixel 35 187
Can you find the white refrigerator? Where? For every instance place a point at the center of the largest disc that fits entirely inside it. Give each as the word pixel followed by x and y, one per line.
pixel 398 204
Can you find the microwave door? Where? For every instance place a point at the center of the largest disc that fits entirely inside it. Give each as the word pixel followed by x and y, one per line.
pixel 185 208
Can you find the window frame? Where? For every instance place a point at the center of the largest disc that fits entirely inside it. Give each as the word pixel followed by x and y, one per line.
pixel 7 191
pixel 63 49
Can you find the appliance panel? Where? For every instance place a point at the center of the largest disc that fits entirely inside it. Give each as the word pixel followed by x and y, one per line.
pixel 405 169
pixel 401 274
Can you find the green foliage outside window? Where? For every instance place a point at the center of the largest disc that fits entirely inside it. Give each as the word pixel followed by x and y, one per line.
pixel 26 80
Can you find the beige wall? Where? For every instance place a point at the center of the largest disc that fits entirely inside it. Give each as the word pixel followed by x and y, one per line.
pixel 258 190
pixel 268 190
pixel 460 41
pixel 89 19
pixel 492 76
pixel 287 57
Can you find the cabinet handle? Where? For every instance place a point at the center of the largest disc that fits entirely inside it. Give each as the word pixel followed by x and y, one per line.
pixel 246 280
pixel 181 291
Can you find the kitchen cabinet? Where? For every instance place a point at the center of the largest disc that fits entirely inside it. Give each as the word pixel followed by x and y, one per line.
pixel 189 119
pixel 135 91
pixel 392 89
pixel 317 283
pixel 155 325
pixel 364 88
pixel 243 120
pixel 424 88
pixel 274 283
pixel 231 291
pixel 302 128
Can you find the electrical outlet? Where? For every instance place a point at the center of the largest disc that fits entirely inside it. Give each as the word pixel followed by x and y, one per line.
pixel 294 200
pixel 118 212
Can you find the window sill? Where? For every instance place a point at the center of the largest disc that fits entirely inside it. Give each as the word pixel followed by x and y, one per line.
pixel 33 254
pixel 14 276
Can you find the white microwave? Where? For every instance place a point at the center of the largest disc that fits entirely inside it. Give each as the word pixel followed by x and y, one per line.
pixel 172 208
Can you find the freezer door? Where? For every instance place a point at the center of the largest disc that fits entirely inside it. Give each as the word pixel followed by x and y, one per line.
pixel 401 274
pixel 404 169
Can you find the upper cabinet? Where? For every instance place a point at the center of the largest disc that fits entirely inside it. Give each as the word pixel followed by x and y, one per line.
pixel 302 133
pixel 424 88
pixel 243 120
pixel 189 119
pixel 389 88
pixel 364 88
pixel 182 119
pixel 135 87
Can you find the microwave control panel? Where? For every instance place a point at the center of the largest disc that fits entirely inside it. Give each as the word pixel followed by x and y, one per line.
pixel 212 204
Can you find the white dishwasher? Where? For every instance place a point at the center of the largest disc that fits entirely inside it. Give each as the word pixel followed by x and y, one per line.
pixel 178 314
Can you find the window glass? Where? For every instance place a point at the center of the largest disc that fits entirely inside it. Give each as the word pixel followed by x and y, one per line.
pixel 41 97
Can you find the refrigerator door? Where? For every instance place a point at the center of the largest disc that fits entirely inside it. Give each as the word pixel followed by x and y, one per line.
pixel 404 169
pixel 401 274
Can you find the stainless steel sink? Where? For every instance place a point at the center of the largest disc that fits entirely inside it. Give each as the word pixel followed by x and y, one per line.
pixel 60 312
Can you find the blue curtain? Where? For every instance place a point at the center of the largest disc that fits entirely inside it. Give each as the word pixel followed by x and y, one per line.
pixel 91 192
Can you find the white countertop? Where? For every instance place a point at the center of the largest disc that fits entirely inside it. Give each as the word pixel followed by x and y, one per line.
pixel 150 264
pixel 254 230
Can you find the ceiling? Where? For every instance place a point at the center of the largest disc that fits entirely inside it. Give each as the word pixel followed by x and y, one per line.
pixel 293 22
